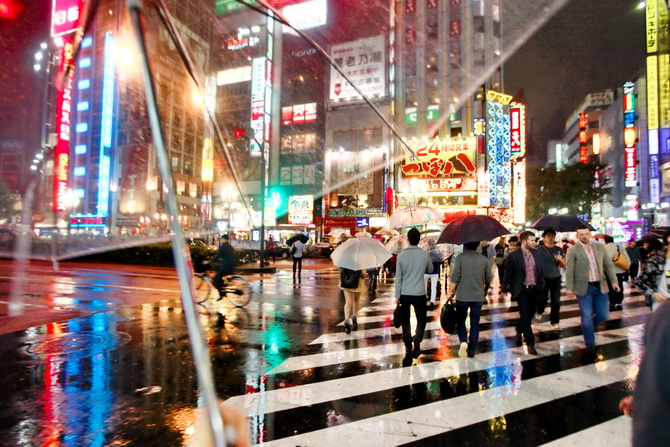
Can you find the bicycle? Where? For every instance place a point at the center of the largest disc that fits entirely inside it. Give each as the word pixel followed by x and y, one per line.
pixel 236 288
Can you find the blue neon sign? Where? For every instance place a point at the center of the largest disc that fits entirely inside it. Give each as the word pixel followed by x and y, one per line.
pixel 107 124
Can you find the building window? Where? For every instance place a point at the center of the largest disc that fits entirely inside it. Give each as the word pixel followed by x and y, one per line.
pixel 175 163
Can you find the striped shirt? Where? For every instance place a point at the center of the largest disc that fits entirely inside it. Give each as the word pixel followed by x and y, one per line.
pixel 594 275
pixel 530 268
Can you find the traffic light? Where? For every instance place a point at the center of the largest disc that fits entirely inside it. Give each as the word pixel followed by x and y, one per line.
pixel 238 132
pixel 10 9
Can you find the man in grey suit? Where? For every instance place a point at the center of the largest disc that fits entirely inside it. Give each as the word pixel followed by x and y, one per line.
pixel 588 269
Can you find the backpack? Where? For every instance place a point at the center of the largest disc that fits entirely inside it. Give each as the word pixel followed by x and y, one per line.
pixel 349 278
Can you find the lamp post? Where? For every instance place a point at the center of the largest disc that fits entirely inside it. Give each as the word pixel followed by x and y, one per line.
pixel 239 134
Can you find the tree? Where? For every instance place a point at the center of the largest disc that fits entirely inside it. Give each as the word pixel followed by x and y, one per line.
pixel 577 188
pixel 9 203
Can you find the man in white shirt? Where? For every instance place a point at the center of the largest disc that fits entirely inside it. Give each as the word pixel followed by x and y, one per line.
pixel 298 251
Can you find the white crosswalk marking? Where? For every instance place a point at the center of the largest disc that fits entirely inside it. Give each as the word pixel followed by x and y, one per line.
pixel 329 389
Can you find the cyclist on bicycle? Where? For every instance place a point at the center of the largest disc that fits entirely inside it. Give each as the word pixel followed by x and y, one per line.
pixel 225 255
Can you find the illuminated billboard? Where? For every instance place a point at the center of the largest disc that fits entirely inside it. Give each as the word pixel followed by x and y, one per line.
pixel 498 152
pixel 301 210
pixel 64 16
pixel 442 157
pixel 517 113
pixel 583 138
pixel 63 126
pixel 630 137
pixel 305 15
pixel 364 62
pixel 233 75
pixel 106 125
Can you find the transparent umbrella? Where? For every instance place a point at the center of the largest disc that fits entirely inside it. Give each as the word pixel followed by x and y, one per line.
pixel 229 118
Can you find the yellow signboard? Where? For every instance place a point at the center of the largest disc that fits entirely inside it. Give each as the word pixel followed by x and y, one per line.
pixel 498 97
pixel 663 36
pixel 664 92
pixel 442 157
pixel 652 26
pixel 652 92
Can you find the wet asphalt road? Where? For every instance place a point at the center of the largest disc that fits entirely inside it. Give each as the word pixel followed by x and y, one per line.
pixel 94 337
pixel 116 369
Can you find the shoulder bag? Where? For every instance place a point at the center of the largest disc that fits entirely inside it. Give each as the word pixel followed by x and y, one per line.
pixel 448 317
pixel 620 261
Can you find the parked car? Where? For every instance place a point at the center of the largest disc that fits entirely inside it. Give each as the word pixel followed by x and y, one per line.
pixel 325 248
pixel 281 250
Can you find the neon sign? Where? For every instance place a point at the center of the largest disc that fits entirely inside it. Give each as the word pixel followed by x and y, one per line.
pixel 63 127
pixel 517 114
pixel 65 16
pixel 583 138
pixel 107 121
pixel 630 138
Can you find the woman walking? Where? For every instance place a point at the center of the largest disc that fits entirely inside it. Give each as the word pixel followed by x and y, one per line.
pixel 655 275
pixel 352 284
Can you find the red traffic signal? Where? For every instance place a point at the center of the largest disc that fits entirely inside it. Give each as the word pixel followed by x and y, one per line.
pixel 239 133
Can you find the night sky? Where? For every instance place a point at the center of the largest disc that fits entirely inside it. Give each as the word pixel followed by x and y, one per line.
pixel 589 46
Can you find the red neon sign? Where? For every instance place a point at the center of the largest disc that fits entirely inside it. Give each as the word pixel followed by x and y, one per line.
pixel 65 16
pixel 583 138
pixel 63 126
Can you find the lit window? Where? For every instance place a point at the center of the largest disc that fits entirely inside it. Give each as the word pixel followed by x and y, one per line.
pixel 86 42
pixel 79 171
pixel 82 127
pixel 80 149
pixel 84 84
pixel 85 62
pixel 79 193
pixel 82 105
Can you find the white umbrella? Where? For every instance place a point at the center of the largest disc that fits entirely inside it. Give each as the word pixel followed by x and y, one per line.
pixel 388 233
pixel 360 253
pixel 415 215
pixel 363 234
pixel 397 244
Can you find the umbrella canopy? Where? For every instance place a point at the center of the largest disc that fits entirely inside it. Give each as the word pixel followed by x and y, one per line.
pixel 363 234
pixel 472 229
pixel 388 233
pixel 560 223
pixel 298 237
pixel 415 215
pixel 360 253
pixel 397 244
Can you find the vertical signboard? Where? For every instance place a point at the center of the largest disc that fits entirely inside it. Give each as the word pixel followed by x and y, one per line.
pixel 106 125
pixel 498 150
pixel 664 90
pixel 520 192
pixel 364 62
pixel 257 104
pixel 583 138
pixel 517 115
pixel 630 136
pixel 652 93
pixel 651 12
pixel 63 126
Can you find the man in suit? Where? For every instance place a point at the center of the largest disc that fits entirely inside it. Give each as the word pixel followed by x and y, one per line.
pixel 524 281
pixel 589 268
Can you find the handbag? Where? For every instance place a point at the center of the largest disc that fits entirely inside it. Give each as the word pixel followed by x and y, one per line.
pixel 448 317
pixel 397 317
pixel 621 261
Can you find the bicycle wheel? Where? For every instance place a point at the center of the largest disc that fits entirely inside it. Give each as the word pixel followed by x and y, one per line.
pixel 238 291
pixel 203 282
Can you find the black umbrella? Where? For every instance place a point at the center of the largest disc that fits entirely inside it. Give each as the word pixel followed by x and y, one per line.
pixel 298 237
pixel 560 223
pixel 472 229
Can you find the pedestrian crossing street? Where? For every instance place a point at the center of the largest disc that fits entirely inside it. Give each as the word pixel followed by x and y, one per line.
pixel 353 389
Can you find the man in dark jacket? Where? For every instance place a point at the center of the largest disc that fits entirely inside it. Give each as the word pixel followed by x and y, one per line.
pixel 225 255
pixel 524 281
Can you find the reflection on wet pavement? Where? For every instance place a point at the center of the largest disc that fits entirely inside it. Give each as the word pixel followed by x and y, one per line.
pixel 124 377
